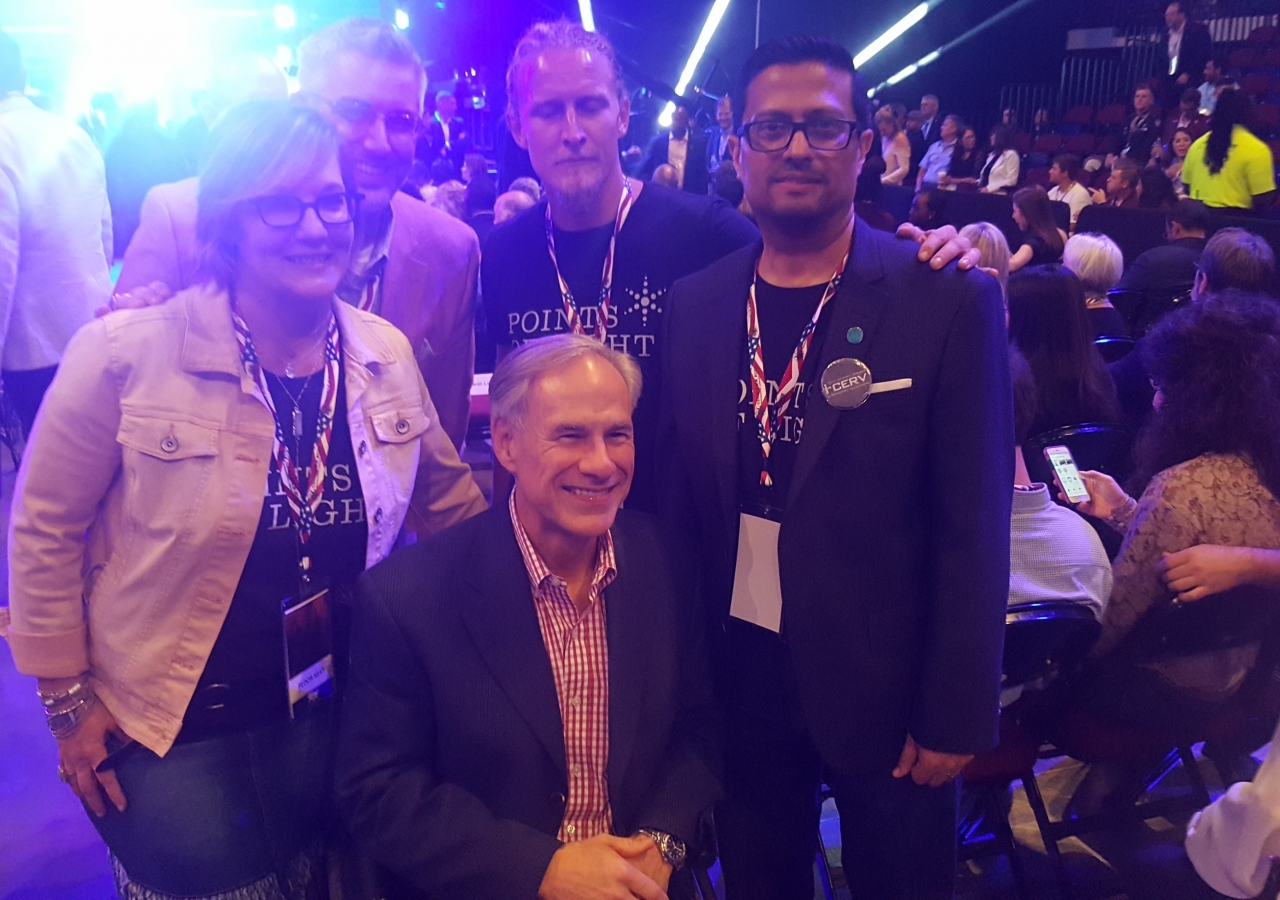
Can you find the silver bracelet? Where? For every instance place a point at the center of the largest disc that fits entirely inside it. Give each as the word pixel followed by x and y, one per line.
pixel 67 722
pixel 50 699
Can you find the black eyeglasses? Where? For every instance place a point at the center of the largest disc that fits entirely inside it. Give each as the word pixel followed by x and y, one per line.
pixel 286 211
pixel 773 135
pixel 361 115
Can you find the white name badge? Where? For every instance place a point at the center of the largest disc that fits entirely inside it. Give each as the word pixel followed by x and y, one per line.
pixel 757 586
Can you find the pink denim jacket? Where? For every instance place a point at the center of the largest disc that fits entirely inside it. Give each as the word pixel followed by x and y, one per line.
pixel 154 443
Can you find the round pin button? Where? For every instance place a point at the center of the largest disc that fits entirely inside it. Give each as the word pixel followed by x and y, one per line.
pixel 846 383
pixel 402 427
pixel 854 335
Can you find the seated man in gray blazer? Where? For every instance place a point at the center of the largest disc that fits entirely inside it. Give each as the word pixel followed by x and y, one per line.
pixel 529 710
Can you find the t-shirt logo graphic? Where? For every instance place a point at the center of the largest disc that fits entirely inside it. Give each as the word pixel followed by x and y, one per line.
pixel 646 301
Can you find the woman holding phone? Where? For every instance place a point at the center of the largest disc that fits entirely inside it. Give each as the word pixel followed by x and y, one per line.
pixel 1210 463
pixel 242 451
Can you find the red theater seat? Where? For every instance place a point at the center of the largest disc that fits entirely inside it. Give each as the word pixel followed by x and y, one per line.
pixel 1244 58
pixel 1256 84
pixel 1022 143
pixel 1078 115
pixel 1114 114
pixel 1038 176
pixel 1048 144
pixel 1080 145
pixel 1264 34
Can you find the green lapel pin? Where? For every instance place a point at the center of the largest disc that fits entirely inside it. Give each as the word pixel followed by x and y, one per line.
pixel 854 335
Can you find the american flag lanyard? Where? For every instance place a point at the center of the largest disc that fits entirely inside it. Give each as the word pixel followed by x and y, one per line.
pixel 767 414
pixel 606 278
pixel 303 502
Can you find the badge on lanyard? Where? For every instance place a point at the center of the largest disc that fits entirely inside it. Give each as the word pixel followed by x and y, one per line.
pixel 757 584
pixel 308 651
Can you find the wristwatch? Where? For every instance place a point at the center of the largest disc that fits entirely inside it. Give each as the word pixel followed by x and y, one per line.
pixel 671 847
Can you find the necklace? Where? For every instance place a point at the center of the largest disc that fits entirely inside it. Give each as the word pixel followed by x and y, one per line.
pixel 296 401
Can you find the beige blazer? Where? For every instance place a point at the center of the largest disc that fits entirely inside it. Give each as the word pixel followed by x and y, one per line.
pixel 428 291
pixel 155 442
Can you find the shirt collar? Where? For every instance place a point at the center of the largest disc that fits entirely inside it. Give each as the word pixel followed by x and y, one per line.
pixel 541 577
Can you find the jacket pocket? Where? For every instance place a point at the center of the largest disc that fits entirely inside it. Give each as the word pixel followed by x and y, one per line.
pixel 167 439
pixel 400 424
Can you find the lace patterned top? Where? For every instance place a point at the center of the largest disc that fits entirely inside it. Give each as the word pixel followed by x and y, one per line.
pixel 1212 499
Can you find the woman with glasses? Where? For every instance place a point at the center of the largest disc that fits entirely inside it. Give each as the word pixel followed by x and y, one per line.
pixel 205 480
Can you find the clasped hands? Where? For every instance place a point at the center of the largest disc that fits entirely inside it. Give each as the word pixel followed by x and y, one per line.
pixel 606 867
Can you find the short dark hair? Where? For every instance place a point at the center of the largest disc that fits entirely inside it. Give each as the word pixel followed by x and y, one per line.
pixel 1192 215
pixel 13 77
pixel 1182 7
pixel 481 195
pixel 1191 95
pixel 797 49
pixel 1235 259
pixel 1068 163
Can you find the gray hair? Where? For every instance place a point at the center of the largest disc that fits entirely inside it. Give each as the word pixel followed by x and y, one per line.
pixel 993 251
pixel 253 148
pixel 517 371
pixel 527 185
pixel 561 34
pixel 369 37
pixel 1096 261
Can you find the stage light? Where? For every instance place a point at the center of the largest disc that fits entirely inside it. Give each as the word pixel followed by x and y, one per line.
pixel 284 16
pixel 891 35
pixel 284 57
pixel 709 27
pixel 905 73
pixel 402 19
pixel 588 16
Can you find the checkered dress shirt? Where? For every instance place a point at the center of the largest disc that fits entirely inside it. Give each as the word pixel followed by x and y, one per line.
pixel 579 652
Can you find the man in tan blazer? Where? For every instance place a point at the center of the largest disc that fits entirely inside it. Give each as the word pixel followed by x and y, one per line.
pixel 413 265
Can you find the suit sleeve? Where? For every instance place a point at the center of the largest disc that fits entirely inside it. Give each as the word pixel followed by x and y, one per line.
pixel 688 784
pixel 441 838
pixel 449 369
pixel 657 148
pixel 152 254
pixel 727 230
pixel 970 458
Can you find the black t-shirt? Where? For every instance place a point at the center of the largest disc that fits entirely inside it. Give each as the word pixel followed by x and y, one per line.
pixel 249 652
pixel 1041 255
pixel 668 234
pixel 783 314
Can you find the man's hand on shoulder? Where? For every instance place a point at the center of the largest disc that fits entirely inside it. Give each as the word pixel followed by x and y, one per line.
pixel 941 246
pixel 141 297
pixel 603 868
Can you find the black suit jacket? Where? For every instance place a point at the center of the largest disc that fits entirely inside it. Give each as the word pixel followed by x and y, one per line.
pixel 1164 272
pixel 1197 47
pixel 894 547
pixel 459 145
pixel 451 764
pixel 697 177
pixel 931 130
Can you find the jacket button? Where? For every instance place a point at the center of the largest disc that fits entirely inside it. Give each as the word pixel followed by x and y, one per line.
pixel 402 427
pixel 377 516
pixel 364 448
pixel 169 444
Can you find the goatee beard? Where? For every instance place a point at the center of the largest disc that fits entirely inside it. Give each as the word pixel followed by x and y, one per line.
pixel 582 202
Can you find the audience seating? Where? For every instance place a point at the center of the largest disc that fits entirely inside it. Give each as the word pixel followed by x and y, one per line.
pixel 1037 177
pixel 1263 34
pixel 961 208
pixel 1022 143
pixel 1080 145
pixel 1048 144
pixel 1134 230
pixel 1223 621
pixel 1112 115
pixel 1078 115
pixel 1114 347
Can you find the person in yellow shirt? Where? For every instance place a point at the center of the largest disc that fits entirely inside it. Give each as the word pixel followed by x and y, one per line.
pixel 1229 167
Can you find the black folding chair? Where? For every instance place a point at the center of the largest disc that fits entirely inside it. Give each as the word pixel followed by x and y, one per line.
pixel 1101 448
pixel 1040 640
pixel 1113 347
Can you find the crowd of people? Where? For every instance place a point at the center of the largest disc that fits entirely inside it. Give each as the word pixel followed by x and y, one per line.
pixel 282 638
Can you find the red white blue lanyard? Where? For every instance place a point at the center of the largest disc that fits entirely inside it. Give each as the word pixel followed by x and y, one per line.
pixel 767 414
pixel 304 501
pixel 571 312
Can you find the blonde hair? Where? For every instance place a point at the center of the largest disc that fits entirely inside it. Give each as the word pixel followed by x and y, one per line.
pixel 561 34
pixel 1096 261
pixel 514 377
pixel 993 250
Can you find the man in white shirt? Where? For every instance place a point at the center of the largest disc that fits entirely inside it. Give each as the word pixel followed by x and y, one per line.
pixel 55 231
pixel 684 149
pixel 1063 174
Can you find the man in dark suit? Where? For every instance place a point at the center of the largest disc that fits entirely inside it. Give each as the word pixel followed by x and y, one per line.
pixel 718 138
pixel 930 119
pixel 848 501
pixel 447 135
pixel 529 711
pixel 1189 47
pixel 1162 273
pixel 683 147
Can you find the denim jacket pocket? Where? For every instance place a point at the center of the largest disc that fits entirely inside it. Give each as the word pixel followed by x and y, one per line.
pixel 166 438
pixel 400 424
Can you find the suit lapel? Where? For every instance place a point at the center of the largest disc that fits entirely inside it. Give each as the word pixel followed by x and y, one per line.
pixel 725 333
pixel 630 647
pixel 504 625
pixel 860 302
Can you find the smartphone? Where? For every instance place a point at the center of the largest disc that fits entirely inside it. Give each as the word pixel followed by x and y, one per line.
pixel 1068 475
